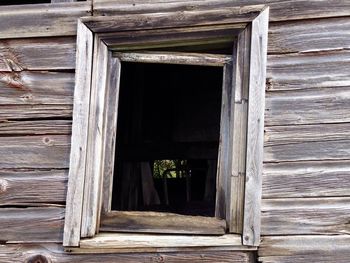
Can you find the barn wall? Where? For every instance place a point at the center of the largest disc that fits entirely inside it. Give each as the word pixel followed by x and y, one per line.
pixel 306 184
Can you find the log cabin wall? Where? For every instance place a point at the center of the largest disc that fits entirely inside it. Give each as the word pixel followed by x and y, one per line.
pixel 306 184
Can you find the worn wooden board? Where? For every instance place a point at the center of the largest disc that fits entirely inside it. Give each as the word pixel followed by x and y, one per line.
pixel 300 249
pixel 50 19
pixel 306 179
pixel 280 9
pixel 38 127
pixel 312 35
pixel 55 53
pixel 39 87
pixel 31 224
pixel 308 70
pixel 47 151
pixel 32 186
pixel 299 216
pixel 327 105
pixel 51 252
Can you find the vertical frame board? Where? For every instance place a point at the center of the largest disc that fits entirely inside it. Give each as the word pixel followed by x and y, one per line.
pixel 77 163
pixel 255 129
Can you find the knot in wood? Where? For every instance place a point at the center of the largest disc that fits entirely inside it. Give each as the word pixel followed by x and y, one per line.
pixel 48 141
pixel 158 259
pixel 38 259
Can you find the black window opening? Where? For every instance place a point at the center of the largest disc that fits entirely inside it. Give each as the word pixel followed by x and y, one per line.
pixel 168 132
pixel 27 2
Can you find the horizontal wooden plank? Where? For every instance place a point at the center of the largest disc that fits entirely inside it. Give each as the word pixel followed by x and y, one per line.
pixel 312 106
pixel 31 224
pixel 54 253
pixel 299 216
pixel 308 70
pixel 37 127
pixel 48 151
pixel 153 222
pixel 55 53
pixel 279 10
pixel 32 186
pixel 36 87
pixel 306 179
pixel 17 112
pixel 50 19
pixel 309 35
pixel 301 249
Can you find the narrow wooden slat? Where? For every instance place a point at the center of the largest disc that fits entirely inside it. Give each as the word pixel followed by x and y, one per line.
pixel 229 15
pixel 32 224
pixel 32 186
pixel 56 53
pixel 51 252
pixel 308 70
pixel 36 88
pixel 312 106
pixel 181 58
pixel 302 216
pixel 79 136
pixel 48 151
pixel 50 20
pixel 165 223
pixel 255 129
pixel 300 249
pixel 280 10
pixel 306 179
pixel 41 127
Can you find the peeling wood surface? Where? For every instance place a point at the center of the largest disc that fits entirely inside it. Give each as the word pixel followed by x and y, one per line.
pixel 305 216
pixel 50 19
pixel 300 249
pixel 54 253
pixel 32 224
pixel 32 186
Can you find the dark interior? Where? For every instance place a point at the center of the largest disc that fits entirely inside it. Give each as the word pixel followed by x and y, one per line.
pixel 167 138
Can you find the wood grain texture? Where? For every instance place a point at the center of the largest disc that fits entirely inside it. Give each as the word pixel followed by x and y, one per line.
pixel 314 35
pixel 306 179
pixel 313 106
pixel 164 223
pixel 38 127
pixel 31 224
pixel 50 20
pixel 48 151
pixel 299 216
pixel 308 70
pixel 36 87
pixel 55 53
pixel 32 186
pixel 255 129
pixel 79 136
pixel 281 10
pixel 300 249
pixel 51 252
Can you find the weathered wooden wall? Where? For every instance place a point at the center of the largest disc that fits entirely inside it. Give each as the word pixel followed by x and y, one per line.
pixel 306 186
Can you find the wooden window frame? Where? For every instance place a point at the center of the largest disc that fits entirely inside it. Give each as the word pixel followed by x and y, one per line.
pixel 102 42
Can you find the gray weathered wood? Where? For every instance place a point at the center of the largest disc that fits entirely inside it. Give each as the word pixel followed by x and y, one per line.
pixel 255 129
pixel 79 136
pixel 181 58
pixel 119 221
pixel 32 186
pixel 50 19
pixel 308 70
pixel 306 179
pixel 303 216
pixel 31 224
pixel 311 106
pixel 36 87
pixel 300 249
pixel 51 252
pixel 48 151
pixel 56 53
